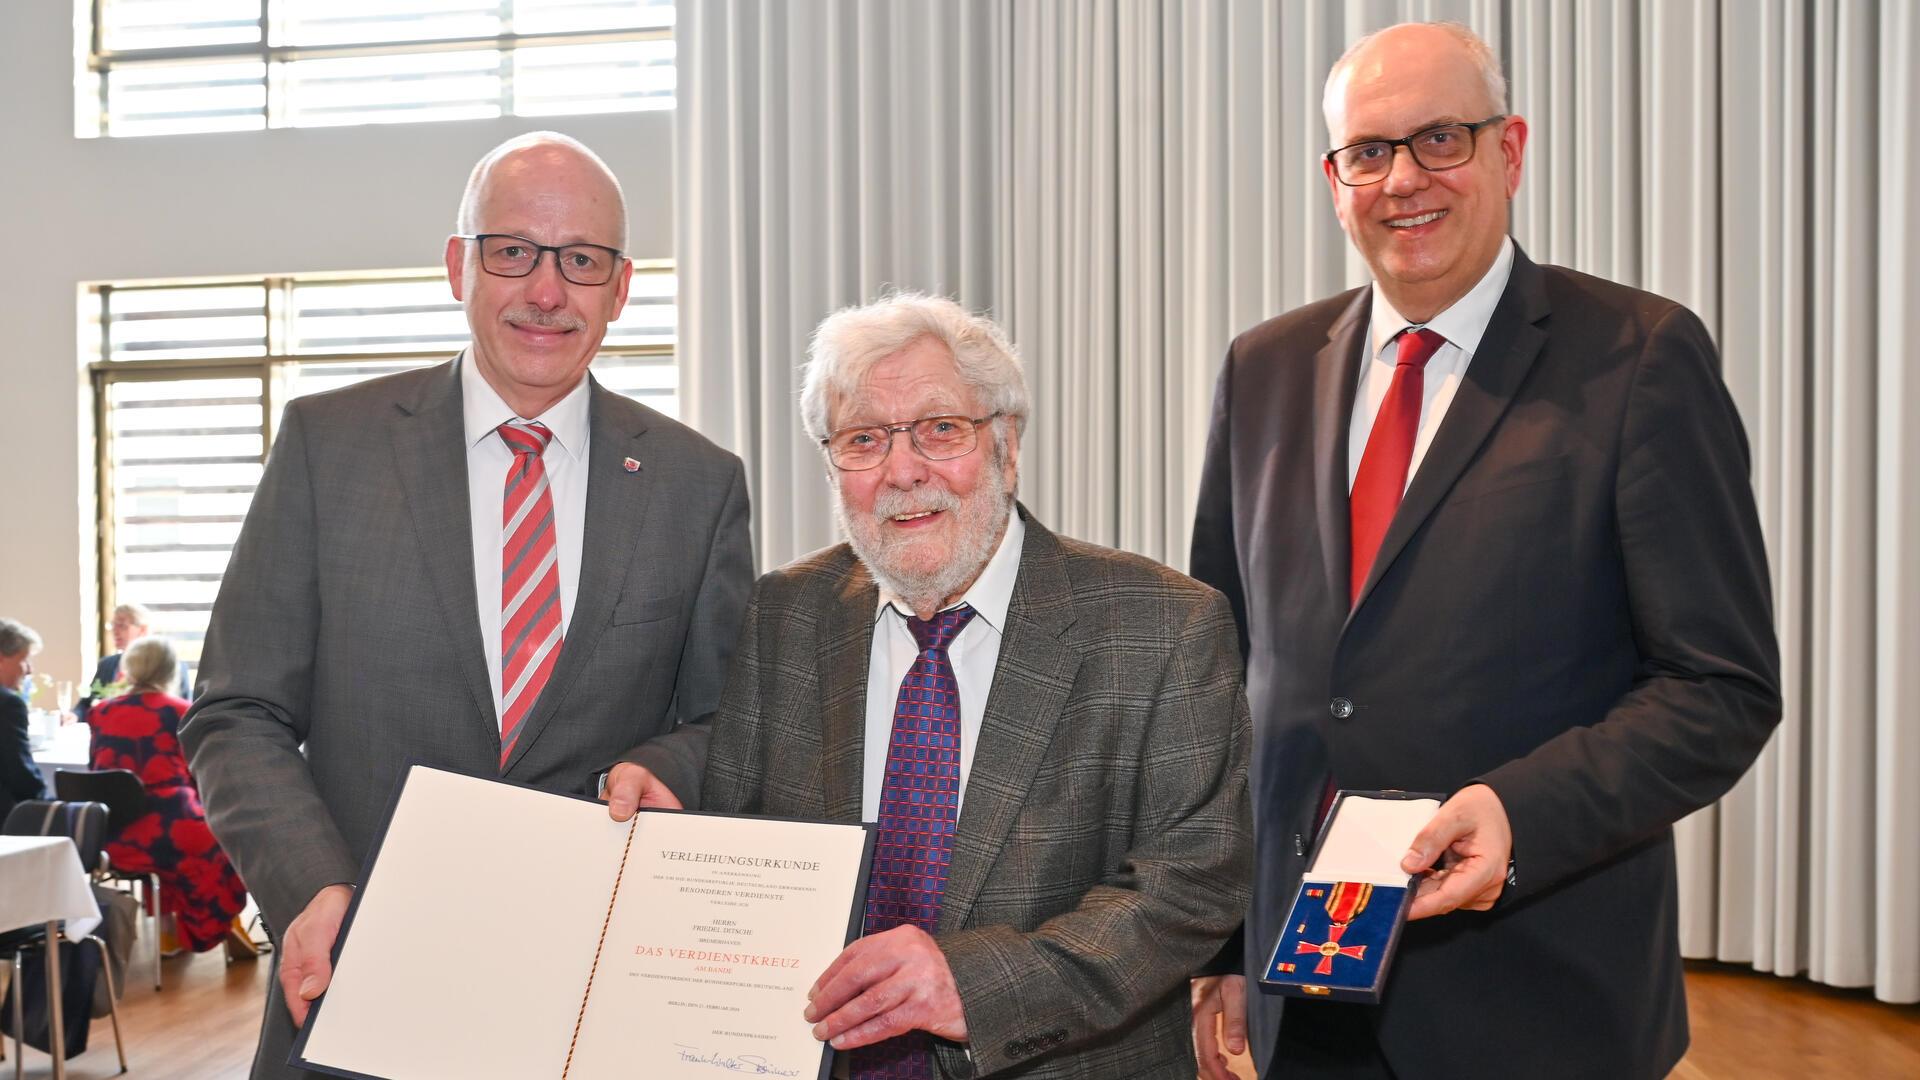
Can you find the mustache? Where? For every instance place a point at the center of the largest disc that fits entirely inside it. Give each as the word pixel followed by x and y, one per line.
pixel 891 503
pixel 545 320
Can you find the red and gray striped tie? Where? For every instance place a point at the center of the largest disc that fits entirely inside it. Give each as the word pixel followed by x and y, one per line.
pixel 529 581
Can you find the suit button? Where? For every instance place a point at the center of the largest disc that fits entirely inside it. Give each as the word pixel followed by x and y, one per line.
pixel 1341 708
pixel 1013 1049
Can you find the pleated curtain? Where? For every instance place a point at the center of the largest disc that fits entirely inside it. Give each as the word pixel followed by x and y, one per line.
pixel 825 151
pixel 1126 184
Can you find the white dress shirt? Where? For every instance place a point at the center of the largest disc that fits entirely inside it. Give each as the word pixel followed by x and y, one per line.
pixel 974 653
pixel 1463 325
pixel 487 462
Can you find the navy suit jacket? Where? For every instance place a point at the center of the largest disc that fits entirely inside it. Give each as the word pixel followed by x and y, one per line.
pixel 20 778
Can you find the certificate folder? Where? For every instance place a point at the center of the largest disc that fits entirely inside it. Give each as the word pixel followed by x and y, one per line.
pixel 1340 935
pixel 501 931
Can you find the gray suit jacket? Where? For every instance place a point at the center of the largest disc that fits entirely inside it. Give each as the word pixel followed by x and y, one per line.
pixel 1103 849
pixel 345 644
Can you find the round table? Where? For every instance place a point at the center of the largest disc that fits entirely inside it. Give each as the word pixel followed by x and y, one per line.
pixel 68 747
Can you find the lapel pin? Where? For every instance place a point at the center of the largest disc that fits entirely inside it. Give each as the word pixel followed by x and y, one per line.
pixel 630 465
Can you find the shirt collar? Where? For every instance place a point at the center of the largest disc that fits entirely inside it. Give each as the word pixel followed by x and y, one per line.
pixel 1464 323
pixel 484 411
pixel 991 594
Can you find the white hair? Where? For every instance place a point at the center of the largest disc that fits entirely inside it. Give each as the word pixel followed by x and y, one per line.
pixel 1491 77
pixel 16 637
pixel 466 222
pixel 137 614
pixel 151 664
pixel 850 341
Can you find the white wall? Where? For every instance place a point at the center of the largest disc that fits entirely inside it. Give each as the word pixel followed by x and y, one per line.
pixel 78 210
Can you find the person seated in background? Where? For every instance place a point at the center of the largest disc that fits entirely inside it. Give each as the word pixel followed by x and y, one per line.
pixel 139 731
pixel 131 622
pixel 20 778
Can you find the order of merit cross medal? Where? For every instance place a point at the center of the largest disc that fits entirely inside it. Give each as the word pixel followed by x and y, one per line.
pixel 1345 901
pixel 1337 938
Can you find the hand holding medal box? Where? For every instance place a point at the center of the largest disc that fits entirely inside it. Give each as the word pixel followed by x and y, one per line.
pixel 1340 936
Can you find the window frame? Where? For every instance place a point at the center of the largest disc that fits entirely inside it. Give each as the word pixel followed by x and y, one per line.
pixel 100 61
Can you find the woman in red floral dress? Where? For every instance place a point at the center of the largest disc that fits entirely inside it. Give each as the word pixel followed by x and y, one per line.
pixel 140 732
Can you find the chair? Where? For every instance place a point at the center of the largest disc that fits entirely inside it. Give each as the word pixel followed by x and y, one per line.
pixel 84 823
pixel 126 801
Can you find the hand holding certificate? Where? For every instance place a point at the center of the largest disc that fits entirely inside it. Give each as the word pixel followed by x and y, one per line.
pixel 506 932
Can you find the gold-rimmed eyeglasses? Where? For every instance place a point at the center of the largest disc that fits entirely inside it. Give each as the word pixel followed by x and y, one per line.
pixel 938 438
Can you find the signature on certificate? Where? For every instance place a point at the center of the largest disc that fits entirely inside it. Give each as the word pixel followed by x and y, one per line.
pixel 749 1064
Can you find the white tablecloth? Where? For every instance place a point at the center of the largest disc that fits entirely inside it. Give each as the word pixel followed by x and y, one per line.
pixel 66 749
pixel 40 881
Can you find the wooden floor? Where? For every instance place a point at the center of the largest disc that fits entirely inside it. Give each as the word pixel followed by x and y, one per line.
pixel 1749 1025
pixel 200 1027
pixel 1745 1025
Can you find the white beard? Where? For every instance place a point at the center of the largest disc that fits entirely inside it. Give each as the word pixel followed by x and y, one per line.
pixel 979 521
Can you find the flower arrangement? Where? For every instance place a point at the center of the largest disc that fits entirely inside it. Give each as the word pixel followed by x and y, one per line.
pixel 100 690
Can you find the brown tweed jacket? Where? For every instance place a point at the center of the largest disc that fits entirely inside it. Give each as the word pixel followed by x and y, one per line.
pixel 1103 849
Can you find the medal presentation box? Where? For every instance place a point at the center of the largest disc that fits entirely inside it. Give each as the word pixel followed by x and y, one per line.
pixel 1339 938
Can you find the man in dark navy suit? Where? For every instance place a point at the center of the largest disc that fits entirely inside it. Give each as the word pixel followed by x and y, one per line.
pixel 130 623
pixel 1487 529
pixel 20 778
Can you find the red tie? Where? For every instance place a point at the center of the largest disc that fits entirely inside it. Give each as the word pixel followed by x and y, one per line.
pixel 529 580
pixel 1382 478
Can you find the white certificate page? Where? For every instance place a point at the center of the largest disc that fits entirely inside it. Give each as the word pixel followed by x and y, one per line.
pixel 472 938
pixel 512 933
pixel 722 926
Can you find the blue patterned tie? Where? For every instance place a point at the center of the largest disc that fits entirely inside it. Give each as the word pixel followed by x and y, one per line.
pixel 919 803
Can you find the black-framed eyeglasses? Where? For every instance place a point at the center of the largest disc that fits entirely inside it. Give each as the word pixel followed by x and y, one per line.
pixel 507 255
pixel 1435 149
pixel 938 438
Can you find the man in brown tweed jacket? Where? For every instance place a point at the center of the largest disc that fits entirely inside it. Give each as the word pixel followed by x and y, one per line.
pixel 1096 853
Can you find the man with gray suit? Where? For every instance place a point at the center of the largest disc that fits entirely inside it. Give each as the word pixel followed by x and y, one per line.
pixel 1050 735
pixel 493 565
